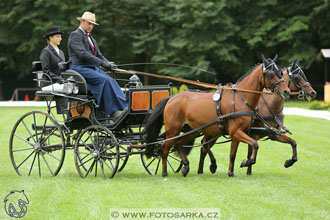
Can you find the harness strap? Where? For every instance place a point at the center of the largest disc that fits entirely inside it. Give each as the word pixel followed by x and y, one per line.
pixel 233 102
pixel 236 114
pixel 275 117
pixel 258 116
pixel 218 108
pixel 271 117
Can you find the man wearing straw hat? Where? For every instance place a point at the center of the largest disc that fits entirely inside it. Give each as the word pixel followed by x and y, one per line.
pixel 86 59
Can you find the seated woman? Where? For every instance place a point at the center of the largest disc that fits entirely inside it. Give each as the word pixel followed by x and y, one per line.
pixel 51 55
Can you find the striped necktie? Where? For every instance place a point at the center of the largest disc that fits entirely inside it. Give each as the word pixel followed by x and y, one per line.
pixel 90 43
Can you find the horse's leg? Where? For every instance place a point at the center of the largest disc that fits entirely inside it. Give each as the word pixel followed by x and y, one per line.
pixel 241 136
pixel 167 146
pixel 185 161
pixel 213 165
pixel 206 150
pixel 233 150
pixel 201 159
pixel 165 151
pixel 179 144
pixel 285 139
pixel 249 169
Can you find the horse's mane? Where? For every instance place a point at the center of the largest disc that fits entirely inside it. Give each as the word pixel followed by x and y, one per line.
pixel 248 72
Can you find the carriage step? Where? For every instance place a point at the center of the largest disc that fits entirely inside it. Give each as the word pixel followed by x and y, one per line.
pixel 46 127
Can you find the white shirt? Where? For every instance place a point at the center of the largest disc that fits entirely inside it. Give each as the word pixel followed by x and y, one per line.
pixel 89 39
pixel 56 48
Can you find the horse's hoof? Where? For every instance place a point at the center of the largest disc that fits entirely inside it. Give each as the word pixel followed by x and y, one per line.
pixel 213 168
pixel 244 163
pixel 165 175
pixel 231 174
pixel 200 172
pixel 249 173
pixel 185 171
pixel 289 163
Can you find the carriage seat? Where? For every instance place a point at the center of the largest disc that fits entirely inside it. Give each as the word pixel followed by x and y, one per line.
pixel 46 84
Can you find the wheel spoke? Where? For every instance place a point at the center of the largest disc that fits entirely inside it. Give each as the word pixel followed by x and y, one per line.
pixel 97 137
pixel 43 128
pixel 23 149
pixel 16 135
pixel 107 164
pixel 169 163
pixel 39 165
pixel 35 130
pixel 50 155
pixel 157 167
pixel 32 163
pixel 95 168
pixel 101 166
pixel 47 164
pixel 85 161
pixel 28 130
pixel 103 144
pixel 90 169
pixel 174 158
pixel 151 162
pixel 92 140
pixel 48 136
pixel 25 159
pixel 86 145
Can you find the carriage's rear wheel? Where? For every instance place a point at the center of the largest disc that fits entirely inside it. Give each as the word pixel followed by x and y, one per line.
pixel 36 145
pixel 153 165
pixel 96 152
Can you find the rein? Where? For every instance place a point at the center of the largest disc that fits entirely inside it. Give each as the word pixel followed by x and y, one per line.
pixel 202 84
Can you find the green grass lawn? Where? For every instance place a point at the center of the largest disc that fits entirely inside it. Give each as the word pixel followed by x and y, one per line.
pixel 297 104
pixel 272 192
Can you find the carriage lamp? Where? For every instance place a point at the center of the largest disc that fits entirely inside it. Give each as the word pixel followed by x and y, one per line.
pixel 70 86
pixel 135 81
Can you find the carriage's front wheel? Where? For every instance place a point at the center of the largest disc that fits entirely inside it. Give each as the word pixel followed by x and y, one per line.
pixel 153 165
pixel 36 145
pixel 96 152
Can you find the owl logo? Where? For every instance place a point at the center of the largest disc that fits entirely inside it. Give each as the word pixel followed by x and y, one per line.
pixel 15 204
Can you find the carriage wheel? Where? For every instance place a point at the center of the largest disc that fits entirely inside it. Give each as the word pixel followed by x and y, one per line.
pixel 96 152
pixel 153 165
pixel 37 145
pixel 123 157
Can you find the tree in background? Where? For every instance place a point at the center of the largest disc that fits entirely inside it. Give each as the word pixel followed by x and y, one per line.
pixel 224 37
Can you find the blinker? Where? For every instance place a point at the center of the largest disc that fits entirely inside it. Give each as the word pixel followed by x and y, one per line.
pixel 270 74
pixel 296 78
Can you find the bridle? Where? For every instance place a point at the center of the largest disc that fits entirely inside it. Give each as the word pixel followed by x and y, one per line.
pixel 294 76
pixel 273 69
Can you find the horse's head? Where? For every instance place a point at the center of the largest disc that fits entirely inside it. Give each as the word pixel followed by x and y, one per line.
pixel 297 82
pixel 273 78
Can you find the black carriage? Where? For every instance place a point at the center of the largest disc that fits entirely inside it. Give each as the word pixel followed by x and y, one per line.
pixel 73 120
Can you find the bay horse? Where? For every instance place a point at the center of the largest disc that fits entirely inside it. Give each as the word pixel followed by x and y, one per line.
pixel 270 108
pixel 198 110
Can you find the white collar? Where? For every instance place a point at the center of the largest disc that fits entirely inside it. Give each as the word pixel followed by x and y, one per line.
pixel 56 48
pixel 82 30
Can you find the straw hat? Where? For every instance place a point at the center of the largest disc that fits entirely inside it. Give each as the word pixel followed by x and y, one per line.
pixel 52 31
pixel 88 16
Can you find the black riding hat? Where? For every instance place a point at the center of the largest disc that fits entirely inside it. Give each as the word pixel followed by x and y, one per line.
pixel 52 31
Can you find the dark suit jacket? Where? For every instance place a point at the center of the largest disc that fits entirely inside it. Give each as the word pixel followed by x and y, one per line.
pixel 49 61
pixel 80 51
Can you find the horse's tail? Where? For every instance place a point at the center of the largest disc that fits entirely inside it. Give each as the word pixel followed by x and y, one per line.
pixel 154 125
